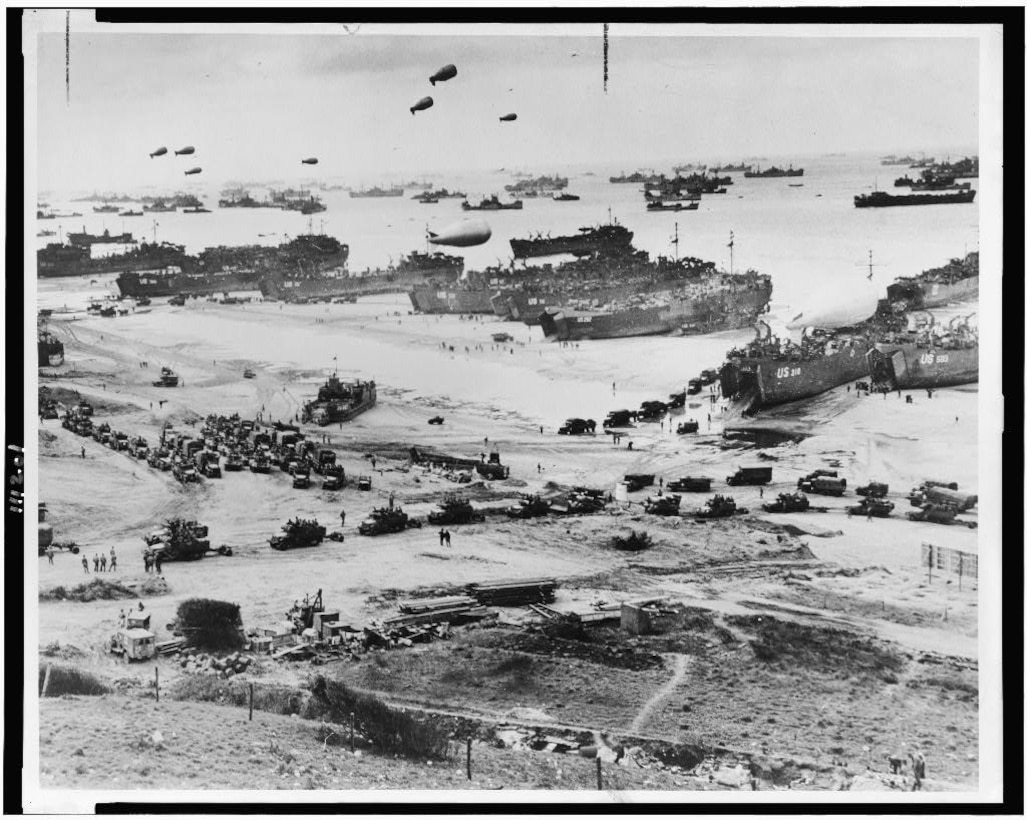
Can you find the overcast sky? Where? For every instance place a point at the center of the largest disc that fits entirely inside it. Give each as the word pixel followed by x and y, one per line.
pixel 254 105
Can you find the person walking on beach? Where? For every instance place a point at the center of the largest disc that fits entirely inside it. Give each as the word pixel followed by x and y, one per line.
pixel 103 563
pixel 442 536
pixel 342 518
pixel 83 452
pixel 919 770
pixel 49 555
pixel 96 563
pixel 85 564
pixel 449 542
pixel 114 562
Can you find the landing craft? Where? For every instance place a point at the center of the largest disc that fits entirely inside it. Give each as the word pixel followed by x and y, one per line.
pixel 462 234
pixel 159 152
pixel 309 161
pixel 508 118
pixel 193 171
pixel 187 150
pixel 447 72
pixel 422 104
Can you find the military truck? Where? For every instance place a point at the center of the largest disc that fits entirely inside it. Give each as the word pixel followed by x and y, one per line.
pixel 577 427
pixel 298 533
pixel 386 520
pixel 455 510
pixel 821 483
pixel 788 502
pixel 872 506
pixel 931 493
pixel 233 462
pixel 636 481
pixel 719 507
pixel 875 489
pixel 686 427
pixel 133 644
pixel 533 506
pixel 751 476
pixel 690 484
pixel 652 410
pixel 664 505
pixel 619 418
pixel 334 479
pixel 364 483
pixel 178 540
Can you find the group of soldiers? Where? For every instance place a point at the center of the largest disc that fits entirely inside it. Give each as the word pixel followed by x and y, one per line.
pixel 99 562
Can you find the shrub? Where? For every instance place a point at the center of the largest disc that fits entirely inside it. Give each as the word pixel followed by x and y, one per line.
pixel 389 729
pixel 635 542
pixel 276 699
pixel 69 680
pixel 98 589
pixel 210 624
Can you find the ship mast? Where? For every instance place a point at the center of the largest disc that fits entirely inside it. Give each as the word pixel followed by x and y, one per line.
pixel 731 246
pixel 674 242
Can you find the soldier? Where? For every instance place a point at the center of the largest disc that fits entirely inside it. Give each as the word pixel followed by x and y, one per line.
pixel 83 452
pixel 96 563
pixel 442 536
pixel 342 518
pixel 919 769
pixel 449 543
pixel 114 562
pixel 49 555
pixel 103 563
pixel 85 564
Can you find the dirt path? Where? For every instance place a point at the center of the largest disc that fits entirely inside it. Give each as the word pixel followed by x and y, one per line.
pixel 680 668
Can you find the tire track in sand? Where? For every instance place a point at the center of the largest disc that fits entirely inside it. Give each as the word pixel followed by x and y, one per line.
pixel 680 668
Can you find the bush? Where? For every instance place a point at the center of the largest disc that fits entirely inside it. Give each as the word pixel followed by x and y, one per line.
pixel 69 680
pixel 209 624
pixel 97 589
pixel 635 542
pixel 389 729
pixel 278 700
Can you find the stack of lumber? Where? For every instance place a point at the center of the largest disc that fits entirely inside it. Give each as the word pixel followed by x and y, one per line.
pixel 514 593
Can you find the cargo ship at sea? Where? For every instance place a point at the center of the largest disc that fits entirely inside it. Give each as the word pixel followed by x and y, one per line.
pixel 881 199
pixel 585 242
pixel 492 203
pixel 225 269
pixel 412 270
pixel 376 192
pixel 643 177
pixel 85 240
pixel 736 168
pixel 956 281
pixel 56 260
pixel 774 172
pixel 926 358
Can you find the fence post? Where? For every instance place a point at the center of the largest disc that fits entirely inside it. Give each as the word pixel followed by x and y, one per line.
pixel 351 742
pixel 930 561
pixel 960 572
pixel 599 773
pixel 156 682
pixel 251 701
pixel 46 680
pixel 468 758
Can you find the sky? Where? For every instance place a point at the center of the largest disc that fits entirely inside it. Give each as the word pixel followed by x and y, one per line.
pixel 255 104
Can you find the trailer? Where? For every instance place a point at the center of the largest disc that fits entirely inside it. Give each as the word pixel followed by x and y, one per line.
pixel 751 476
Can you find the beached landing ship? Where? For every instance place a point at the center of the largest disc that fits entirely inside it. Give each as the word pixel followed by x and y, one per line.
pixel 710 302
pixel 339 401
pixel 926 359
pixel 57 260
pixel 768 372
pixel 959 279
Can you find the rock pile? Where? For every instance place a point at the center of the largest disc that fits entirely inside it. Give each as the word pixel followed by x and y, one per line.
pixel 202 663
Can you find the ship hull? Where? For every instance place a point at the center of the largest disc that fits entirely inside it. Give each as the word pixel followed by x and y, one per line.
pixel 433 299
pixel 919 295
pixel 564 326
pixel 890 201
pixel 769 382
pixel 170 284
pixel 911 367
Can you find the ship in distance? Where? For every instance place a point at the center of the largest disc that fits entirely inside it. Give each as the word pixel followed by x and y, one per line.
pixel 738 168
pixel 587 241
pixel 657 205
pixel 643 177
pixel 224 269
pixel 774 171
pixel 57 260
pixel 85 239
pixel 882 199
pixel 376 192
pixel 492 203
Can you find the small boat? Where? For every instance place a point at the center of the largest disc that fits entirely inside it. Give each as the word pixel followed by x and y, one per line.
pixel 795 184
pixel 566 197
pixel 672 206
pixel 196 210
pixel 131 213
pixel 248 374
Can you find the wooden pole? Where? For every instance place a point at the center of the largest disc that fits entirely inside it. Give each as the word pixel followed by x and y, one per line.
pixel 599 773
pixel 251 701
pixel 351 741
pixel 930 561
pixel 46 680
pixel 156 682
pixel 468 758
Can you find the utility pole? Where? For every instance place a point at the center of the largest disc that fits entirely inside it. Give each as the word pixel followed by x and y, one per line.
pixel 674 242
pixel 731 246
